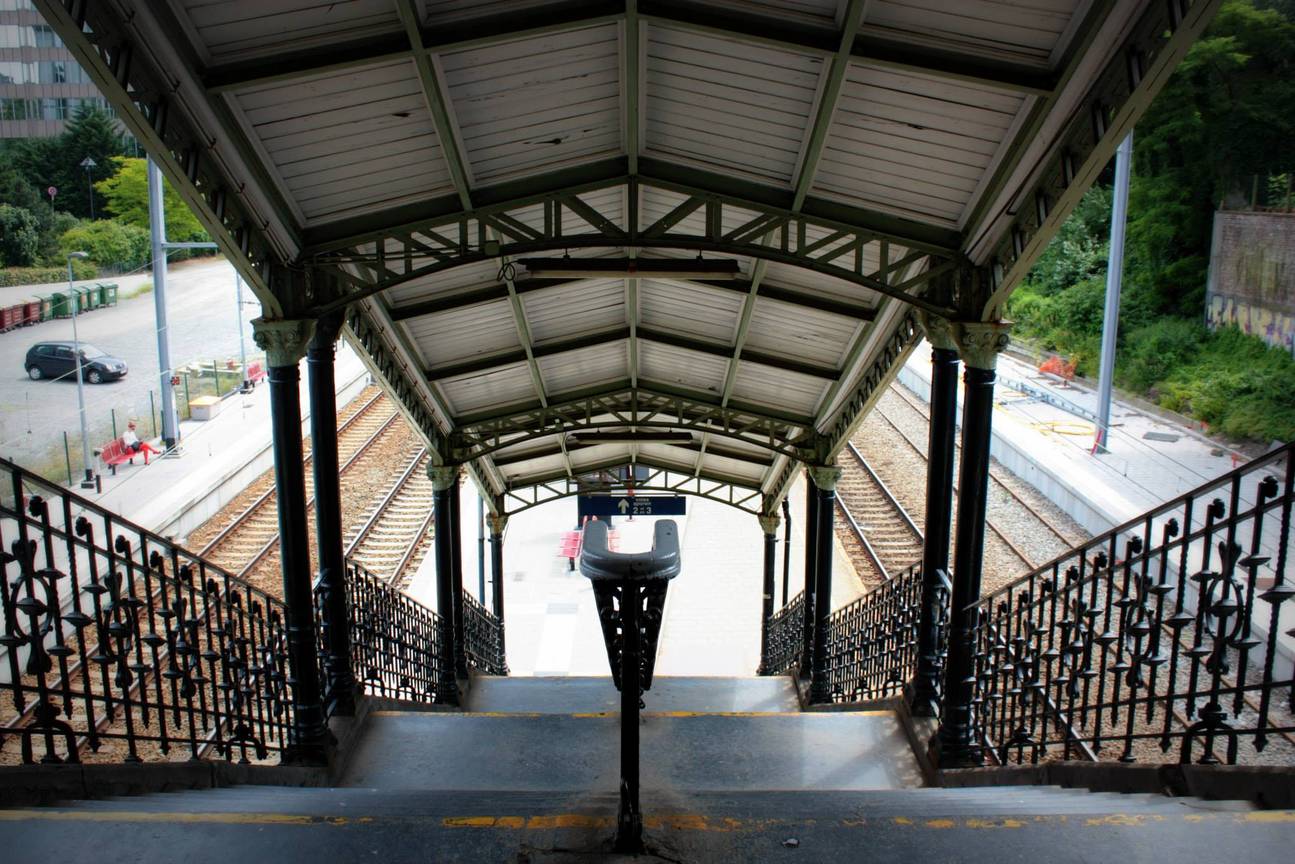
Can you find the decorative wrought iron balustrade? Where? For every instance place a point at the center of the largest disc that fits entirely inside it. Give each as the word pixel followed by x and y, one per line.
pixel 118 645
pixel 483 638
pixel 395 640
pixel 872 642
pixel 785 637
pixel 1160 640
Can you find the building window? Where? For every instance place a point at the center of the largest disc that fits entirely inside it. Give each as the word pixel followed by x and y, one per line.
pixel 45 37
pixel 17 109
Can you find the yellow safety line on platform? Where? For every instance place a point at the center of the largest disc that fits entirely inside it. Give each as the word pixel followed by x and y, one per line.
pixel 672 821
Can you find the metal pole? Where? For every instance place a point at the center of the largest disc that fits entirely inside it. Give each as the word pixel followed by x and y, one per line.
pixel 242 345
pixel 769 525
pixel 1114 273
pixel 629 819
pixel 481 550
pixel 443 486
pixel 786 547
pixel 456 550
pixel 824 489
pixel 88 481
pixel 157 234
pixel 811 567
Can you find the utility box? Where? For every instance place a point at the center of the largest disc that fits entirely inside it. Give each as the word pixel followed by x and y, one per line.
pixel 204 407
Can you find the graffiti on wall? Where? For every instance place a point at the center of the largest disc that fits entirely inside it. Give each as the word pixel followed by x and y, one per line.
pixel 1252 276
pixel 1275 327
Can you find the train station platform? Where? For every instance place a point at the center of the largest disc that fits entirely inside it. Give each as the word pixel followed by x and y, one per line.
pixel 215 460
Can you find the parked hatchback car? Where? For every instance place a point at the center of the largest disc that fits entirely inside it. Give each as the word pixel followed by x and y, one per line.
pixel 57 360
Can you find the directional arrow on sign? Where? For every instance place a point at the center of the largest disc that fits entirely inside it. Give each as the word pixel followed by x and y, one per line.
pixel 623 506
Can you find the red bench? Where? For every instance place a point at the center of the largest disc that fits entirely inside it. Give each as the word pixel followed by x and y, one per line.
pixel 571 542
pixel 114 453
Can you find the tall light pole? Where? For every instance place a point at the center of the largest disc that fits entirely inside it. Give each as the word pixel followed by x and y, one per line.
pixel 242 346
pixel 1111 311
pixel 88 481
pixel 89 165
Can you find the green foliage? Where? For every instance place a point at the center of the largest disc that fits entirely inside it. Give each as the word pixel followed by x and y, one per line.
pixel 110 243
pixel 1079 250
pixel 19 236
pixel 126 196
pixel 1238 385
pixel 1153 352
pixel 11 276
pixel 45 162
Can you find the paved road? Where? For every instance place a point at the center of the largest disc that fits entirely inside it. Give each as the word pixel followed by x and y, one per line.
pixel 202 323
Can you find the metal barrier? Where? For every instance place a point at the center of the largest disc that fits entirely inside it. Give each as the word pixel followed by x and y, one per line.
pixel 629 590
pixel 395 640
pixel 785 638
pixel 119 642
pixel 1162 634
pixel 872 642
pixel 483 638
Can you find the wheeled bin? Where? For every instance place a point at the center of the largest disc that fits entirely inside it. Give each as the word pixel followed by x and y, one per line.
pixel 46 306
pixel 109 294
pixel 32 312
pixel 61 305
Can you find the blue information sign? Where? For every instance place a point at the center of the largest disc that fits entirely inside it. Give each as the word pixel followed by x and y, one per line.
pixel 631 505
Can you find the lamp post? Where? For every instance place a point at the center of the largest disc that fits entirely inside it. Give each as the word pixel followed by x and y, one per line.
pixel 88 481
pixel 89 165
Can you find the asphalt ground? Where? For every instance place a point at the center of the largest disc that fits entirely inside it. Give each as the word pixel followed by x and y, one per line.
pixel 202 324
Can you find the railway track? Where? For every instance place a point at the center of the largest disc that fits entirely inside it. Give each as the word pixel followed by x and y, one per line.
pixel 396 531
pixel 254 533
pixel 887 535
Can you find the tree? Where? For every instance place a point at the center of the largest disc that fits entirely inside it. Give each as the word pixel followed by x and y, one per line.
pixel 125 194
pixel 109 242
pixel 92 133
pixel 19 236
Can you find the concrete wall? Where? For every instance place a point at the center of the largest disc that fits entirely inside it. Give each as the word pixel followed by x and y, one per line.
pixel 1252 275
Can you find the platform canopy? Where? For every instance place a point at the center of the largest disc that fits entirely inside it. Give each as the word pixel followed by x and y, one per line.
pixel 577 235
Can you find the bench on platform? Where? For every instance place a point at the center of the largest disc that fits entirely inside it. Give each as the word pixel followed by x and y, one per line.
pixel 114 453
pixel 571 543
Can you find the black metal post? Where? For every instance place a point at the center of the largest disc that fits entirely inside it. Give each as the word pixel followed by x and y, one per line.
pixel 786 548
pixel 339 686
pixel 811 567
pixel 769 525
pixel 497 524
pixel 957 744
pixel 284 343
pixel 629 818
pixel 443 485
pixel 824 489
pixel 456 550
pixel 925 696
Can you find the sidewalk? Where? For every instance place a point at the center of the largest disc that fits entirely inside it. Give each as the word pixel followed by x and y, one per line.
pixel 156 495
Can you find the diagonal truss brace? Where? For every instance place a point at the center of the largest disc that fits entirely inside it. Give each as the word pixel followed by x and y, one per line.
pixel 603 481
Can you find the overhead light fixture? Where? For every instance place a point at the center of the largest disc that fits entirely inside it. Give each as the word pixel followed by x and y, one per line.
pixel 620 268
pixel 588 439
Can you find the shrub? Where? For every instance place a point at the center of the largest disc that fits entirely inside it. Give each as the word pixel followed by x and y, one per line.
pixel 11 276
pixel 109 242
pixel 1149 354
pixel 19 236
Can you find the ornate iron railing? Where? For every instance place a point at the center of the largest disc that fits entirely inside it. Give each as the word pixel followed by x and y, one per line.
pixel 483 638
pixel 395 641
pixel 1160 639
pixel 785 637
pixel 118 643
pixel 872 642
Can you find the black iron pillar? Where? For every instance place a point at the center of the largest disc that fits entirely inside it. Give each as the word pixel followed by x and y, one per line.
pixel 769 525
pixel 629 591
pixel 811 568
pixel 444 482
pixel 924 697
pixel 824 489
pixel 284 343
pixel 979 344
pixel 456 552
pixel 330 586
pixel 497 525
pixel 786 548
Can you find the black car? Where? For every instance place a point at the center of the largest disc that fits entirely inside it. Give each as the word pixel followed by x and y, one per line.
pixel 57 360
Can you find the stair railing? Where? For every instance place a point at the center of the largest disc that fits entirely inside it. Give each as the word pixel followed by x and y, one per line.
pixel 1163 636
pixel 872 642
pixel 117 640
pixel 785 637
pixel 483 638
pixel 395 640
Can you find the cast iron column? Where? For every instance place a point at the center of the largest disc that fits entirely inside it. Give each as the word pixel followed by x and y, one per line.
pixel 444 482
pixel 811 569
pixel 339 688
pixel 824 489
pixel 786 547
pixel 497 525
pixel 979 345
pixel 456 550
pixel 769 525
pixel 924 699
pixel 284 343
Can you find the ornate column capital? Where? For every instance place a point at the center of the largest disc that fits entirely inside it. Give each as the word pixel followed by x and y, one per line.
pixel 497 523
pixel 824 477
pixel 326 330
pixel 938 329
pixel 284 341
pixel 443 477
pixel 979 343
pixel 769 522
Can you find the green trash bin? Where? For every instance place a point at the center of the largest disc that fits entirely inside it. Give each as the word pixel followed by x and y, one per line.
pixel 109 294
pixel 46 302
pixel 83 303
pixel 60 305
pixel 96 296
